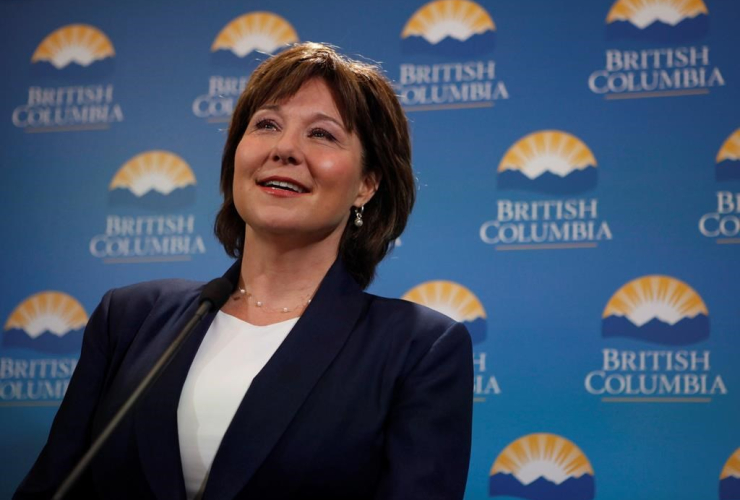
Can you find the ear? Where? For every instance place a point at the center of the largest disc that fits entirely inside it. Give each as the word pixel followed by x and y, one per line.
pixel 368 187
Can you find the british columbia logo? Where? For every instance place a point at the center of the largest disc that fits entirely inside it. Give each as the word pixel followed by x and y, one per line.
pixel 74 52
pixel 657 19
pixel 40 342
pixel 455 301
pixel 76 43
pixel 722 222
pixel 676 69
pixel 728 159
pixel 47 321
pixel 670 314
pixel 263 31
pixel 450 22
pixel 153 178
pixel 547 163
pixel 729 478
pixel 241 39
pixel 460 304
pixel 657 309
pixel 542 466
pixel 456 33
pixel 161 184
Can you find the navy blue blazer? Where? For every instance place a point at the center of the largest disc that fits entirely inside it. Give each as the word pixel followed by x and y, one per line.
pixel 367 398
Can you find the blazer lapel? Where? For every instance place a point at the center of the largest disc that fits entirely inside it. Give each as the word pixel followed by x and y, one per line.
pixel 279 390
pixel 155 417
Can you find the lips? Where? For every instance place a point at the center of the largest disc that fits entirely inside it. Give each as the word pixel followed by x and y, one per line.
pixel 283 184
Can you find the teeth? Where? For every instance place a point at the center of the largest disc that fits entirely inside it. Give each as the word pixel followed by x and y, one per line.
pixel 285 185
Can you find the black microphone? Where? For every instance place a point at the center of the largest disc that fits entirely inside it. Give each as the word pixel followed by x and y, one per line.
pixel 217 292
pixel 214 295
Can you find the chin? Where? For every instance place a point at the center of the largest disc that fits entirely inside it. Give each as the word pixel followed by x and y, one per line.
pixel 298 231
pixel 276 227
pixel 272 220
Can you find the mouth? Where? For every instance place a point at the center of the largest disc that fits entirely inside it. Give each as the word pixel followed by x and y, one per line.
pixel 283 185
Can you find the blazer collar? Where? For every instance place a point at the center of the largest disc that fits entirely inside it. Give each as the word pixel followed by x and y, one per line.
pixel 268 407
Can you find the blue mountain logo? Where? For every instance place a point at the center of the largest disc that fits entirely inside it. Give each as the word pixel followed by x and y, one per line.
pixel 48 321
pixel 455 301
pixel 542 466
pixel 657 309
pixel 153 179
pixel 449 27
pixel 658 20
pixel 548 161
pixel 728 158
pixel 729 479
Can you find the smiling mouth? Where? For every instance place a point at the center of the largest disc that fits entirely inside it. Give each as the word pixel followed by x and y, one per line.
pixel 284 185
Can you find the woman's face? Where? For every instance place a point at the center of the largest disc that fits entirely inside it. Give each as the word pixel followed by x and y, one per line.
pixel 297 170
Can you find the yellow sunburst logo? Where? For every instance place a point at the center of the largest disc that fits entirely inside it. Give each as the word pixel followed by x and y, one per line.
pixel 458 19
pixel 449 298
pixel 49 311
pixel 455 301
pixel 559 153
pixel 667 299
pixel 538 458
pixel 730 150
pixel 643 13
pixel 160 171
pixel 263 31
pixel 658 309
pixel 729 479
pixel 732 467
pixel 728 158
pixel 78 43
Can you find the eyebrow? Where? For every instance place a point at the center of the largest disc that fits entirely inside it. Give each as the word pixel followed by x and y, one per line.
pixel 316 116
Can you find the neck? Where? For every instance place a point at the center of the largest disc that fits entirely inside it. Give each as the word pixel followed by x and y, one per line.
pixel 280 270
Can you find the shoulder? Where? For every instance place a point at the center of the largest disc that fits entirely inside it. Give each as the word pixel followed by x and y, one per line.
pixel 417 328
pixel 124 312
pixel 408 314
pixel 150 292
pixel 138 300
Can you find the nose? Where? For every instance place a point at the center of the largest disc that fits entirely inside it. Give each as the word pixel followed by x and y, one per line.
pixel 287 149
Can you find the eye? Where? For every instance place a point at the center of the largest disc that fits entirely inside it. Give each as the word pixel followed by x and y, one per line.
pixel 320 133
pixel 266 124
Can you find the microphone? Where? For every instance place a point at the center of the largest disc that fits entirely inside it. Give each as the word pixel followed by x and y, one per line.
pixel 214 295
pixel 216 292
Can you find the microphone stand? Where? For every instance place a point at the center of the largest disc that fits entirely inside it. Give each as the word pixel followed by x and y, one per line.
pixel 214 293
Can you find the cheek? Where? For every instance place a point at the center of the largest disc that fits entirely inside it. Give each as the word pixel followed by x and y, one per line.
pixel 341 172
pixel 244 167
pixel 242 158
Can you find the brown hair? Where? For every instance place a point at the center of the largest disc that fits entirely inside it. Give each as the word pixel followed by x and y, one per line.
pixel 369 107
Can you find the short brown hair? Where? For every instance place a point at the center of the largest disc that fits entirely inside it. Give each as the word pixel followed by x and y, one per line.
pixel 368 106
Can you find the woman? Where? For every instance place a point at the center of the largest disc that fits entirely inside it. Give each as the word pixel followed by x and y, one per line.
pixel 302 385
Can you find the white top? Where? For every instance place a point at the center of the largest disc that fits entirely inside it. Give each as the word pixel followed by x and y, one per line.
pixel 232 353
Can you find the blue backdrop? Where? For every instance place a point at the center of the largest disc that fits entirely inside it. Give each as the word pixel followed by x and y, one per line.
pixel 578 168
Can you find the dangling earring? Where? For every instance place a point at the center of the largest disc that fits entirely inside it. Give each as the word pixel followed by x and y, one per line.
pixel 358 215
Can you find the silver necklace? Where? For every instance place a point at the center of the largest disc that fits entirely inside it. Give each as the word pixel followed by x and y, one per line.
pixel 243 293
